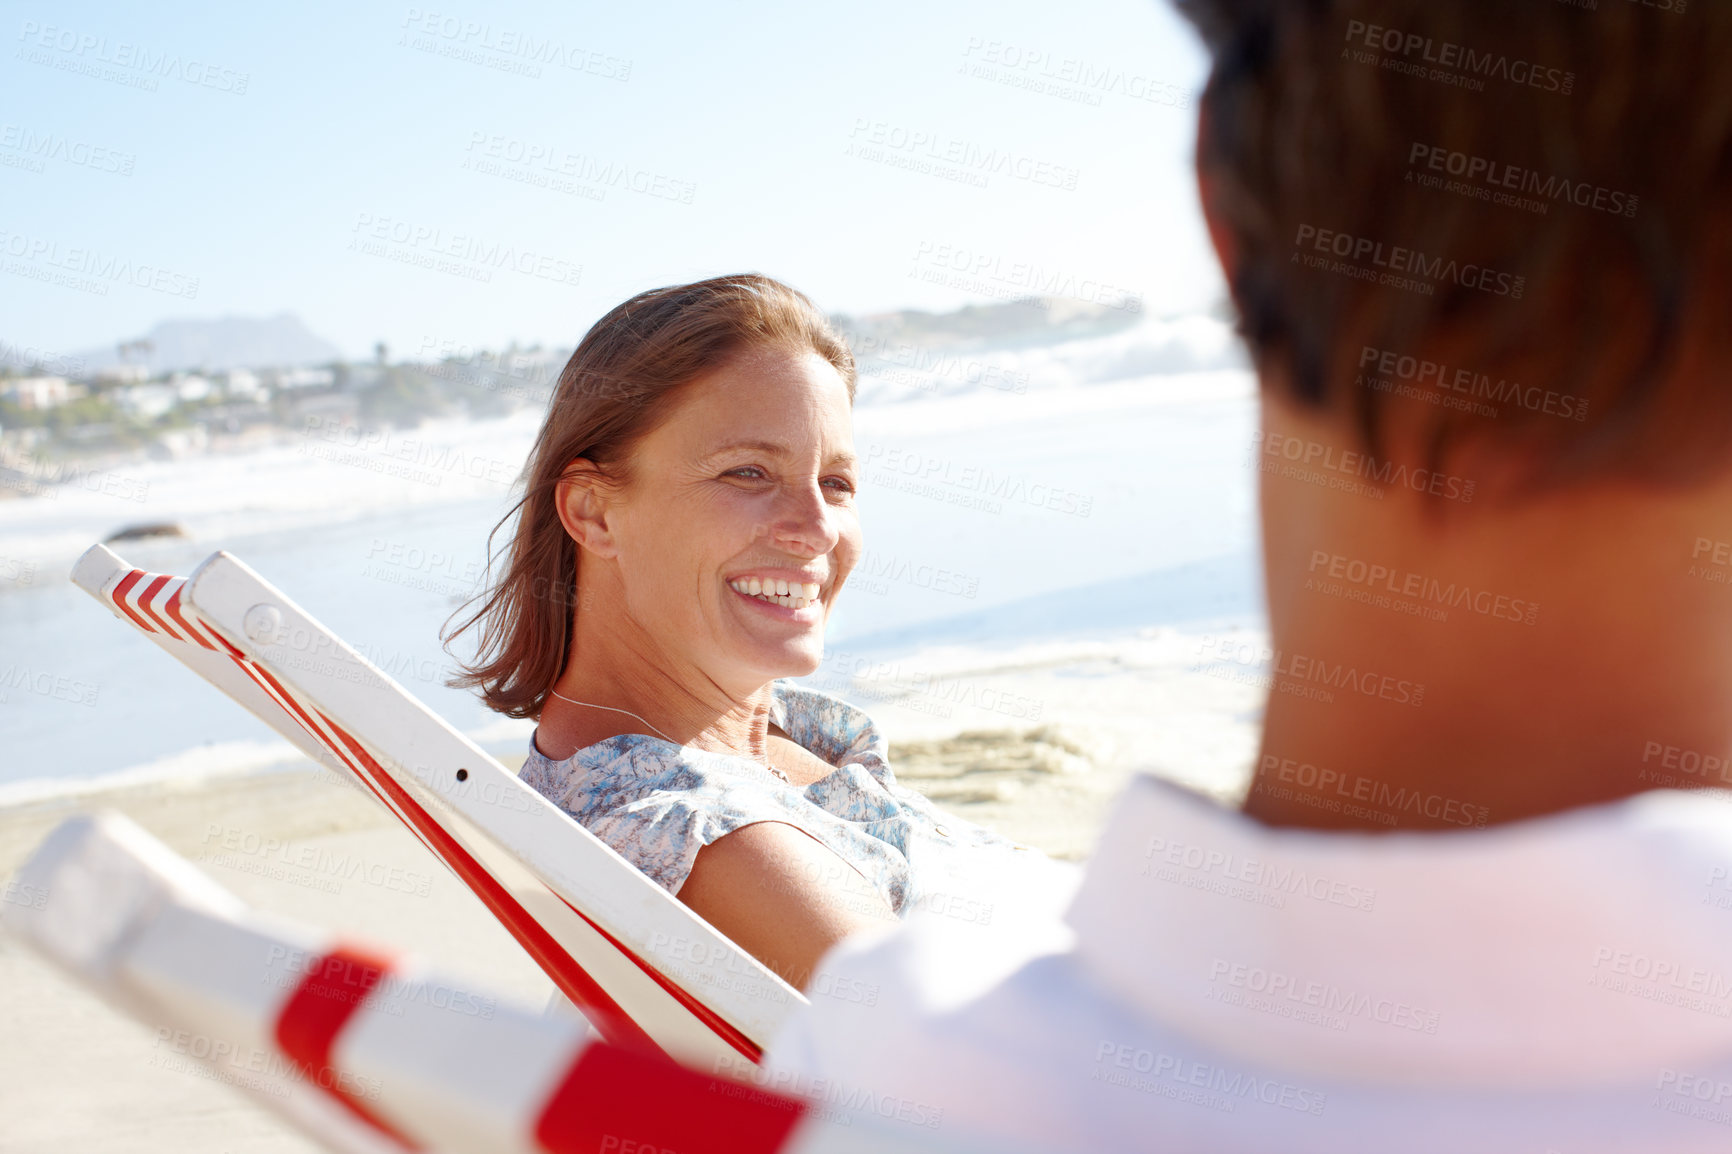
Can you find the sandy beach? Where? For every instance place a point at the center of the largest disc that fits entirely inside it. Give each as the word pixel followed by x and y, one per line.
pixel 74 1075
pixel 1020 692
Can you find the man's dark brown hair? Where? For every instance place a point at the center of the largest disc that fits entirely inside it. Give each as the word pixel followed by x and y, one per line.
pixel 1536 201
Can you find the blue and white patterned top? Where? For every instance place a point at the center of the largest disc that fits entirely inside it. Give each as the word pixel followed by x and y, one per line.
pixel 657 804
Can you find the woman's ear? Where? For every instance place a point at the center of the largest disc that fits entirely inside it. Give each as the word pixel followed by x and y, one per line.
pixel 583 498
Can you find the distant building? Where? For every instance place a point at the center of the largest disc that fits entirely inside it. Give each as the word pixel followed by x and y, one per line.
pixel 362 377
pixel 329 408
pixel 244 385
pixel 147 402
pixel 124 374
pixel 39 392
pixel 175 443
pixel 191 386
pixel 305 378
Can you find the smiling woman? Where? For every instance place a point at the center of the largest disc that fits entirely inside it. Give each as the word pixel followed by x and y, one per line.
pixel 688 524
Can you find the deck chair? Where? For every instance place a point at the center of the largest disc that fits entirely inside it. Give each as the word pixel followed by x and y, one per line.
pixel 642 967
pixel 371 1051
pixel 363 1048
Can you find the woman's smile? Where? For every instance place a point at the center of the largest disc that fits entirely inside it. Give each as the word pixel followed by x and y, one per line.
pixel 781 592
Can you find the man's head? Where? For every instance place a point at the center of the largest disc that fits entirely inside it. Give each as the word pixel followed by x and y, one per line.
pixel 1482 254
pixel 1538 193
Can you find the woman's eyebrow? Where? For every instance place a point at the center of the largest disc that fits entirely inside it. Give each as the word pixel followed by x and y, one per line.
pixel 760 446
pixel 845 457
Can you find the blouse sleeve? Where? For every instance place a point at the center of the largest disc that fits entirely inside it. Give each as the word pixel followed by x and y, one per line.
pixel 658 813
pixel 661 832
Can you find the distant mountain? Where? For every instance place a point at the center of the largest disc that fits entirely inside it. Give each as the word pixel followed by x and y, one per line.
pixel 1031 344
pixel 214 345
pixel 1022 323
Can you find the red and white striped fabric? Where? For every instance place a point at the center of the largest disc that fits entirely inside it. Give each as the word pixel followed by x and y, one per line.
pixel 642 967
pixel 367 1051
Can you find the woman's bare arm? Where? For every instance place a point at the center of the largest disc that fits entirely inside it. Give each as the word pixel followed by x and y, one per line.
pixel 781 896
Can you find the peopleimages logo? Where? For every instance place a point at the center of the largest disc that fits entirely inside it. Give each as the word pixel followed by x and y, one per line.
pixel 880 140
pixel 463 254
pixel 100 268
pixel 498 155
pixel 1502 179
pixel 105 59
pixel 935 262
pixel 1118 1064
pixel 259 1069
pixel 41 146
pixel 1472 387
pixel 343 980
pixel 1356 787
pixel 1386 474
pixel 382 451
pixel 1285 880
pixel 45 684
pixel 1399 262
pixel 1450 61
pixel 38 359
pixel 508 49
pixel 1684 761
pixel 1669 973
pixel 1281 993
pixel 1422 588
pixel 1066 77
pixel 881 568
pixel 1297 667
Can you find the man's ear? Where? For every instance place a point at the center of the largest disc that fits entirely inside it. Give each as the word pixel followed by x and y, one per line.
pixel 1208 194
pixel 584 499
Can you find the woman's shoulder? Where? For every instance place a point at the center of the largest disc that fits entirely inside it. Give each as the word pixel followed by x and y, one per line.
pixel 657 803
pixel 608 774
pixel 649 778
pixel 826 725
pixel 639 773
pixel 632 761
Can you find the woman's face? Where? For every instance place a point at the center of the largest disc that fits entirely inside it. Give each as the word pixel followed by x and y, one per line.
pixel 738 526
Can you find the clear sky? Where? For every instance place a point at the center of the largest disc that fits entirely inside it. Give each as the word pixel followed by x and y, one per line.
pixel 400 172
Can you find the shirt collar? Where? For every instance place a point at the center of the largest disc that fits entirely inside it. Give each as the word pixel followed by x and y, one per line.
pixel 1592 946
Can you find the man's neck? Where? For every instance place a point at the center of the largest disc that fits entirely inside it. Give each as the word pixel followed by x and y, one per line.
pixel 1492 663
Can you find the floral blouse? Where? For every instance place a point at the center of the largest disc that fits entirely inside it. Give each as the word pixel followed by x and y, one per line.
pixel 657 804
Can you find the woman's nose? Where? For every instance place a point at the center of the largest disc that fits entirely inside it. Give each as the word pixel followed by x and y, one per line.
pixel 805 522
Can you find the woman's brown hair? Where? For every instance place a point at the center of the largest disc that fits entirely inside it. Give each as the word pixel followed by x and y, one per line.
pixel 620 383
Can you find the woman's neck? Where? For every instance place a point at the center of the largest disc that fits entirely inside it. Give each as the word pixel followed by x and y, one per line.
pixel 602 689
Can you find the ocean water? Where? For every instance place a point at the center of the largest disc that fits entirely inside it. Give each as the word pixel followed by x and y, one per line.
pixel 1079 507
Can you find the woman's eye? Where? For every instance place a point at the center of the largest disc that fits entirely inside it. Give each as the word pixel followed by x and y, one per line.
pixel 839 484
pixel 749 472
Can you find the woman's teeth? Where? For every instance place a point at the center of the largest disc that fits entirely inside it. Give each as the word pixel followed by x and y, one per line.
pixel 793 595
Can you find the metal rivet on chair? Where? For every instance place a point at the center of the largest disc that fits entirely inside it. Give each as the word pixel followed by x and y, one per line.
pixel 262 623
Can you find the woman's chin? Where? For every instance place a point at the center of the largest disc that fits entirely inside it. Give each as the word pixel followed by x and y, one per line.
pixel 782 641
pixel 794 657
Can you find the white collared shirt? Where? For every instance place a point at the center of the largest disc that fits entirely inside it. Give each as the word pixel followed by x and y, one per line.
pixel 1560 984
